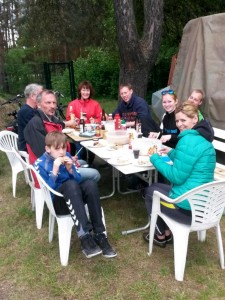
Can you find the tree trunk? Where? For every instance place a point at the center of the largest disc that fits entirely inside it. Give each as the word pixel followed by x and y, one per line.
pixel 2 53
pixel 138 55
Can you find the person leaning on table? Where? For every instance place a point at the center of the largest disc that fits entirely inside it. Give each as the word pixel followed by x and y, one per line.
pixel 194 160
pixel 131 107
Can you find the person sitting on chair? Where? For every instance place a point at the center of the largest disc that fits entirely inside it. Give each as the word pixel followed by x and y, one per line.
pixel 27 111
pixel 194 160
pixel 57 168
pixel 45 121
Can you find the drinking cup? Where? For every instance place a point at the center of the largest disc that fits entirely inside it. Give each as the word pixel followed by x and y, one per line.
pixel 136 153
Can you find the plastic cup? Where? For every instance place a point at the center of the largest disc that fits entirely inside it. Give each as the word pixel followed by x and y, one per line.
pixel 136 153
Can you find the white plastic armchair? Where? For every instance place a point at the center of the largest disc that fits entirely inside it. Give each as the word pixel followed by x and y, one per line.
pixel 64 222
pixel 8 142
pixel 207 205
pixel 37 199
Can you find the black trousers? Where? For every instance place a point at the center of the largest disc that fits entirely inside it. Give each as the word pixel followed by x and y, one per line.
pixel 181 215
pixel 75 197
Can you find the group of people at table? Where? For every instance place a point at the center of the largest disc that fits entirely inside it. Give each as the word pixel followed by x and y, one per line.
pixel 187 137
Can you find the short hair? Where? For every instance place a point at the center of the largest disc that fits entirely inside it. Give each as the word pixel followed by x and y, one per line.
pixel 56 139
pixel 31 89
pixel 188 108
pixel 87 85
pixel 199 92
pixel 122 85
pixel 44 92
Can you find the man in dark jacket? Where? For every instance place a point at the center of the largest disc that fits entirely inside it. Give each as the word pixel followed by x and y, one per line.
pixel 27 111
pixel 45 121
pixel 132 107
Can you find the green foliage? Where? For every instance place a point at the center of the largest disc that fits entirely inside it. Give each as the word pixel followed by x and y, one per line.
pixel 20 69
pixel 102 69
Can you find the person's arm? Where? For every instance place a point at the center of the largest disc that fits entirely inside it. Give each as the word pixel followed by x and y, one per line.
pixel 34 134
pixel 183 163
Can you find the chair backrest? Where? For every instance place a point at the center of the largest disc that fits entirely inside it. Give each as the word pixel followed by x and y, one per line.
pixel 8 142
pixel 46 190
pixel 207 204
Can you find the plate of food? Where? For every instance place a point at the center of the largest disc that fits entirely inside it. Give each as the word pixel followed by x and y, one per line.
pixel 142 161
pixel 114 147
pixel 67 130
pixel 119 161
pixel 96 143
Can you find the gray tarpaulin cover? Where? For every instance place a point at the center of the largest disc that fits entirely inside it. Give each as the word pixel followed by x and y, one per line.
pixel 201 65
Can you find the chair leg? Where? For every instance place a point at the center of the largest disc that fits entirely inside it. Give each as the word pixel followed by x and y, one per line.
pixel 14 179
pixel 201 235
pixel 39 207
pixel 220 246
pixel 51 225
pixel 152 232
pixel 64 234
pixel 180 252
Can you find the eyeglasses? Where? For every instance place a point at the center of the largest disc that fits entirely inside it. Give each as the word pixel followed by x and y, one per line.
pixel 171 92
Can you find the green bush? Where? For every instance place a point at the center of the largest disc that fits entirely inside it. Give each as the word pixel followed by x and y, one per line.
pixel 101 68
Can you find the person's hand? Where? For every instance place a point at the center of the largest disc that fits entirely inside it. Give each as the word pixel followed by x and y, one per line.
pixel 130 124
pixel 71 123
pixel 68 162
pixel 164 150
pixel 75 160
pixel 165 138
pixel 153 135
pixel 57 163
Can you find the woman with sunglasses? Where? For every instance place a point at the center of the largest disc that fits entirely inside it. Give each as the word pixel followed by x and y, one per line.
pixel 194 160
pixel 168 129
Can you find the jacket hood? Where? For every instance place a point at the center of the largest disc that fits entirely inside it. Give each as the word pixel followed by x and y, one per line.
pixel 204 127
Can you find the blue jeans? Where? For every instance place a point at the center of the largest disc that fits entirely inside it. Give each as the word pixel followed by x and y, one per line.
pixel 88 173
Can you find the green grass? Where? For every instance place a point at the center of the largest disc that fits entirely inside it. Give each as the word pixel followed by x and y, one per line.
pixel 30 266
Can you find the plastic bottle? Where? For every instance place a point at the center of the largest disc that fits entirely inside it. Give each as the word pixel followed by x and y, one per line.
pixel 123 125
pixel 110 118
pixel 98 130
pixel 117 122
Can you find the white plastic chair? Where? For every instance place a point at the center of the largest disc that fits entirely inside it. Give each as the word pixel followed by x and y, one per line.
pixel 65 222
pixel 37 199
pixel 8 142
pixel 207 204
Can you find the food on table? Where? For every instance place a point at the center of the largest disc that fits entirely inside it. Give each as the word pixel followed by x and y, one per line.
pixel 122 160
pixel 152 149
pixel 143 161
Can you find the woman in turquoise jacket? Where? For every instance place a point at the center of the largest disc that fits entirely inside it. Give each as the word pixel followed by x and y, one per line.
pixel 194 160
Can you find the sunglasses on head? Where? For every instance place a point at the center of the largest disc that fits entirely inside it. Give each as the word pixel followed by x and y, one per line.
pixel 171 92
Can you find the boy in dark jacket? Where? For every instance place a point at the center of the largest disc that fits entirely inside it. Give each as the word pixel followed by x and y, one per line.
pixel 56 167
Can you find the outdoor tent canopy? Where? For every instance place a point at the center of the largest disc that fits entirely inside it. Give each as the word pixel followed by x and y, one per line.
pixel 201 65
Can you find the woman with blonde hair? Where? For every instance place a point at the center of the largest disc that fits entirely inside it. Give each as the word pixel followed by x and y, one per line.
pixel 194 160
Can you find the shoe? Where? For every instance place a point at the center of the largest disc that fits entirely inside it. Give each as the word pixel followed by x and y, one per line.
pixel 143 195
pixel 169 239
pixel 89 247
pixel 102 241
pixel 159 242
pixel 156 240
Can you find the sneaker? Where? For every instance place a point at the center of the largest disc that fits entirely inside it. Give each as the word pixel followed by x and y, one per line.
pixel 159 242
pixel 89 247
pixel 102 241
pixel 169 239
pixel 156 240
